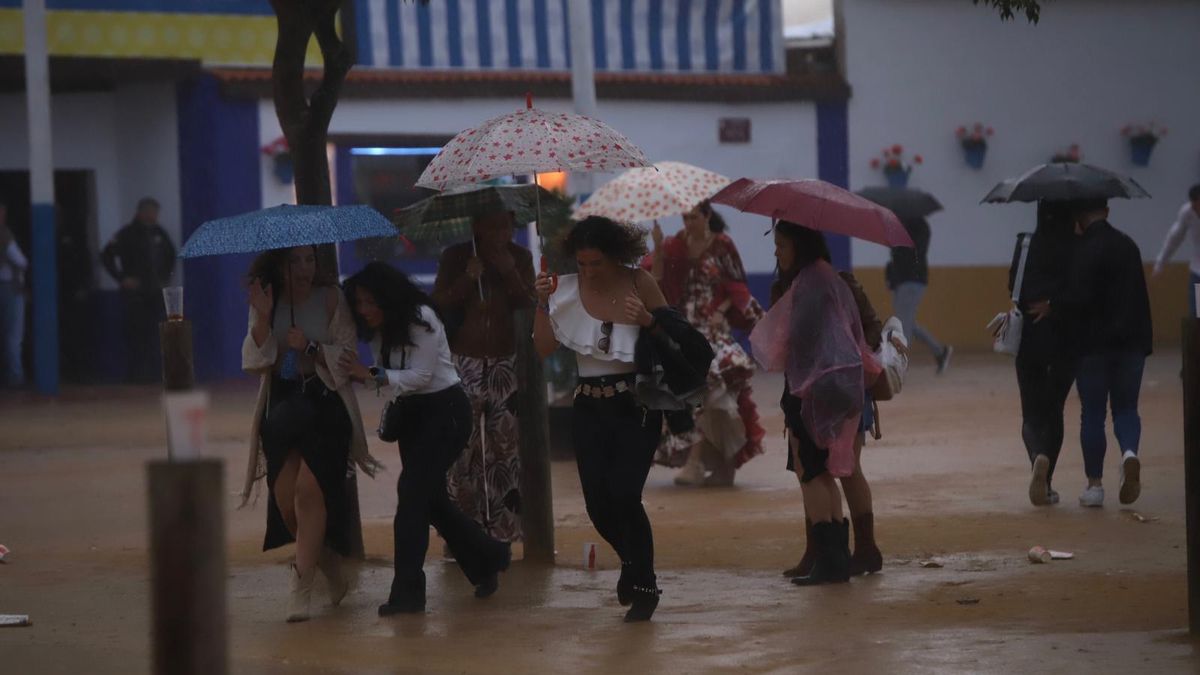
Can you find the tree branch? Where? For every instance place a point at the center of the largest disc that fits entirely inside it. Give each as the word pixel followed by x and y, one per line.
pixel 1009 8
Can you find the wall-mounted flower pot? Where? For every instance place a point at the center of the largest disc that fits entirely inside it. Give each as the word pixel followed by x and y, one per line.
pixel 1140 150
pixel 897 179
pixel 283 168
pixel 975 153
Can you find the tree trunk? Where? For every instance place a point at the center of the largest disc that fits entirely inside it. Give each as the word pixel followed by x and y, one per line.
pixel 305 123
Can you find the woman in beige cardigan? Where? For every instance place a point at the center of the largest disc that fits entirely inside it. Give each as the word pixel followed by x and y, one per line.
pixel 307 426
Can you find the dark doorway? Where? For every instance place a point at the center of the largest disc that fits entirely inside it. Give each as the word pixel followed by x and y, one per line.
pixel 74 207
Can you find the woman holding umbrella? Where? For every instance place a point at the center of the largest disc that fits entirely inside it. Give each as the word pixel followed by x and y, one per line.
pixel 306 425
pixel 701 275
pixel 430 417
pixel 814 333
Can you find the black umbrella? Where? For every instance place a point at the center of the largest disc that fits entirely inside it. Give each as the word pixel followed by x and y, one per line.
pixel 1066 181
pixel 906 203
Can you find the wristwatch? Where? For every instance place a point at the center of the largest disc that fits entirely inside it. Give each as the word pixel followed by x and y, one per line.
pixel 312 348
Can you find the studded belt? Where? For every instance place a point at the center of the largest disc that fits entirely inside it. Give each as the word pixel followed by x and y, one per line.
pixel 603 390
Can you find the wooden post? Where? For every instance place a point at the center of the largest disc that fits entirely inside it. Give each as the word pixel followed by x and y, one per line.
pixel 537 504
pixel 178 367
pixel 1191 463
pixel 187 561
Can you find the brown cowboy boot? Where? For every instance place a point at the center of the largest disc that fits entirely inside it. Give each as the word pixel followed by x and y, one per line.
pixel 804 567
pixel 866 559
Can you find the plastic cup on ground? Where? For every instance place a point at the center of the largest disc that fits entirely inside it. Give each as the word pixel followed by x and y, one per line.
pixel 173 300
pixel 589 556
pixel 1039 555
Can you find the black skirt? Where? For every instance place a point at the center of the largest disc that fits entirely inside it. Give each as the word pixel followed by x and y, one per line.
pixel 308 418
pixel 813 459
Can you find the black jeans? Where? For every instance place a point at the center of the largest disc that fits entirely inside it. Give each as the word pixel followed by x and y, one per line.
pixel 435 430
pixel 1044 376
pixel 615 439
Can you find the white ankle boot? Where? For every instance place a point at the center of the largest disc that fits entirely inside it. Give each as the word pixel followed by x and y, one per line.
pixel 692 472
pixel 301 595
pixel 330 564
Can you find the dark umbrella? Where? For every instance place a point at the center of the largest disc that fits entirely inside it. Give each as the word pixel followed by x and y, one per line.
pixel 906 203
pixel 1066 181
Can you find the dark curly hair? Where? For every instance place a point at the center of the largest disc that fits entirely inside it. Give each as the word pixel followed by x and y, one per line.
pixel 399 299
pixel 716 222
pixel 809 246
pixel 626 244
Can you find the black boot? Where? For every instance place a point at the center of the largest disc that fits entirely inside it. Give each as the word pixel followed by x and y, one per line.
pixel 644 598
pixel 625 586
pixel 407 596
pixel 866 558
pixel 491 582
pixel 832 562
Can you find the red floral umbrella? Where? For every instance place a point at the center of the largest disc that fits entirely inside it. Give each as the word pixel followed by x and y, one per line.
pixel 530 141
pixel 818 205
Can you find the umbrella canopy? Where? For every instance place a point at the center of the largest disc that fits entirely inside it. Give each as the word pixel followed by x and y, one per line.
pixel 452 208
pixel 819 205
pixel 1065 181
pixel 286 226
pixel 530 141
pixel 649 193
pixel 906 203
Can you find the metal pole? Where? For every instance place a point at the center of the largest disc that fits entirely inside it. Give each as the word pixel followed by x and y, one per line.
pixel 41 188
pixel 1191 464
pixel 583 75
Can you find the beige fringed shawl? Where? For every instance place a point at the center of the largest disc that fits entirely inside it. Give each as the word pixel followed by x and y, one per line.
pixel 260 360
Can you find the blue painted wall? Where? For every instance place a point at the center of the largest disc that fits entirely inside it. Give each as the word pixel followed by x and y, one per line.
pixel 219 176
pixel 833 164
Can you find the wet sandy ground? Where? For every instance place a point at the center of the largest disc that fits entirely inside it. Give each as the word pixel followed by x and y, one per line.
pixel 949 477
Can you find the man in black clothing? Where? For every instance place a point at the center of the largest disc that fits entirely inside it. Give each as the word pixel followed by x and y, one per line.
pixel 907 277
pixel 1046 359
pixel 1106 300
pixel 141 259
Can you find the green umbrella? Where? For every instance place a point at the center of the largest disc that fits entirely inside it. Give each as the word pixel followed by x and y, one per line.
pixel 449 209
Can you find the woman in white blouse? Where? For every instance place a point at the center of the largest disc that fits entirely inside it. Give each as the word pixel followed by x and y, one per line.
pixel 599 314
pixel 431 418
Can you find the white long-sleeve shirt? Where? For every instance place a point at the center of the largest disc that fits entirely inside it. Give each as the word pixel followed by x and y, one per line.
pixel 423 368
pixel 12 263
pixel 1188 223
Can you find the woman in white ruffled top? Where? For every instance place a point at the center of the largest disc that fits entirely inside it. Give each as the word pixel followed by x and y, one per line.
pixel 599 314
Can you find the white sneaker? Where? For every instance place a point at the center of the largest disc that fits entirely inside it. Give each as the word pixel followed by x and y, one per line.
pixel 1131 477
pixel 1039 487
pixel 1093 496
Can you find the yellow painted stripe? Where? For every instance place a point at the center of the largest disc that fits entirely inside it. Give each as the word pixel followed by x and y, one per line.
pixel 211 38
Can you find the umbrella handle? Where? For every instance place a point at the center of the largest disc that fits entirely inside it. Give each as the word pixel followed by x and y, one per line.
pixel 479 281
pixel 537 225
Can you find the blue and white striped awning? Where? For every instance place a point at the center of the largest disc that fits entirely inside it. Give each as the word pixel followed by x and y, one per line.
pixel 725 36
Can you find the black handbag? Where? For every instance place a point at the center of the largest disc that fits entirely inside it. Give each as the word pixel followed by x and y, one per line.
pixel 392 416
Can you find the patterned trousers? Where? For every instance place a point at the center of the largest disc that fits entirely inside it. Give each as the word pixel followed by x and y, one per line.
pixel 485 480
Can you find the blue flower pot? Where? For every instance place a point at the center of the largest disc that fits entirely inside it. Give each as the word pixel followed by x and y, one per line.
pixel 284 170
pixel 897 179
pixel 975 154
pixel 1140 149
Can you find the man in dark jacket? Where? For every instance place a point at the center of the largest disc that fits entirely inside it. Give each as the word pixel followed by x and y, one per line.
pixel 907 277
pixel 141 259
pixel 1105 298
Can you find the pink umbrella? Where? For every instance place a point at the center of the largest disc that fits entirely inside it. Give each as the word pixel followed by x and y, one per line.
pixel 530 141
pixel 818 205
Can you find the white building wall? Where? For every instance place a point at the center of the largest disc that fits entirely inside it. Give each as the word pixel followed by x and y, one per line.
pixel 921 68
pixel 783 142
pixel 128 138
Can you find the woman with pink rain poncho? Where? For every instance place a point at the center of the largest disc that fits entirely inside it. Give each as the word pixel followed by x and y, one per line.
pixel 813 334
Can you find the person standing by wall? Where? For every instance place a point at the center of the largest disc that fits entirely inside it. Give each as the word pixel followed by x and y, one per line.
pixel 12 304
pixel 907 278
pixel 1188 222
pixel 479 286
pixel 1106 298
pixel 141 259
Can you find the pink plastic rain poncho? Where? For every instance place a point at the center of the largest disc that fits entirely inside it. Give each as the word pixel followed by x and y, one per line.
pixel 814 334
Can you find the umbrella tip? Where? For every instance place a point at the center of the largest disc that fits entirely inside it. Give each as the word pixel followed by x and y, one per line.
pixel 528 100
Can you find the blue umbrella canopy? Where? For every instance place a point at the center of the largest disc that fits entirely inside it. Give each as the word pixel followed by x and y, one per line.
pixel 286 226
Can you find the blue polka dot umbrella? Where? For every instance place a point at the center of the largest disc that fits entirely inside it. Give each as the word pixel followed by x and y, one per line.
pixel 286 226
